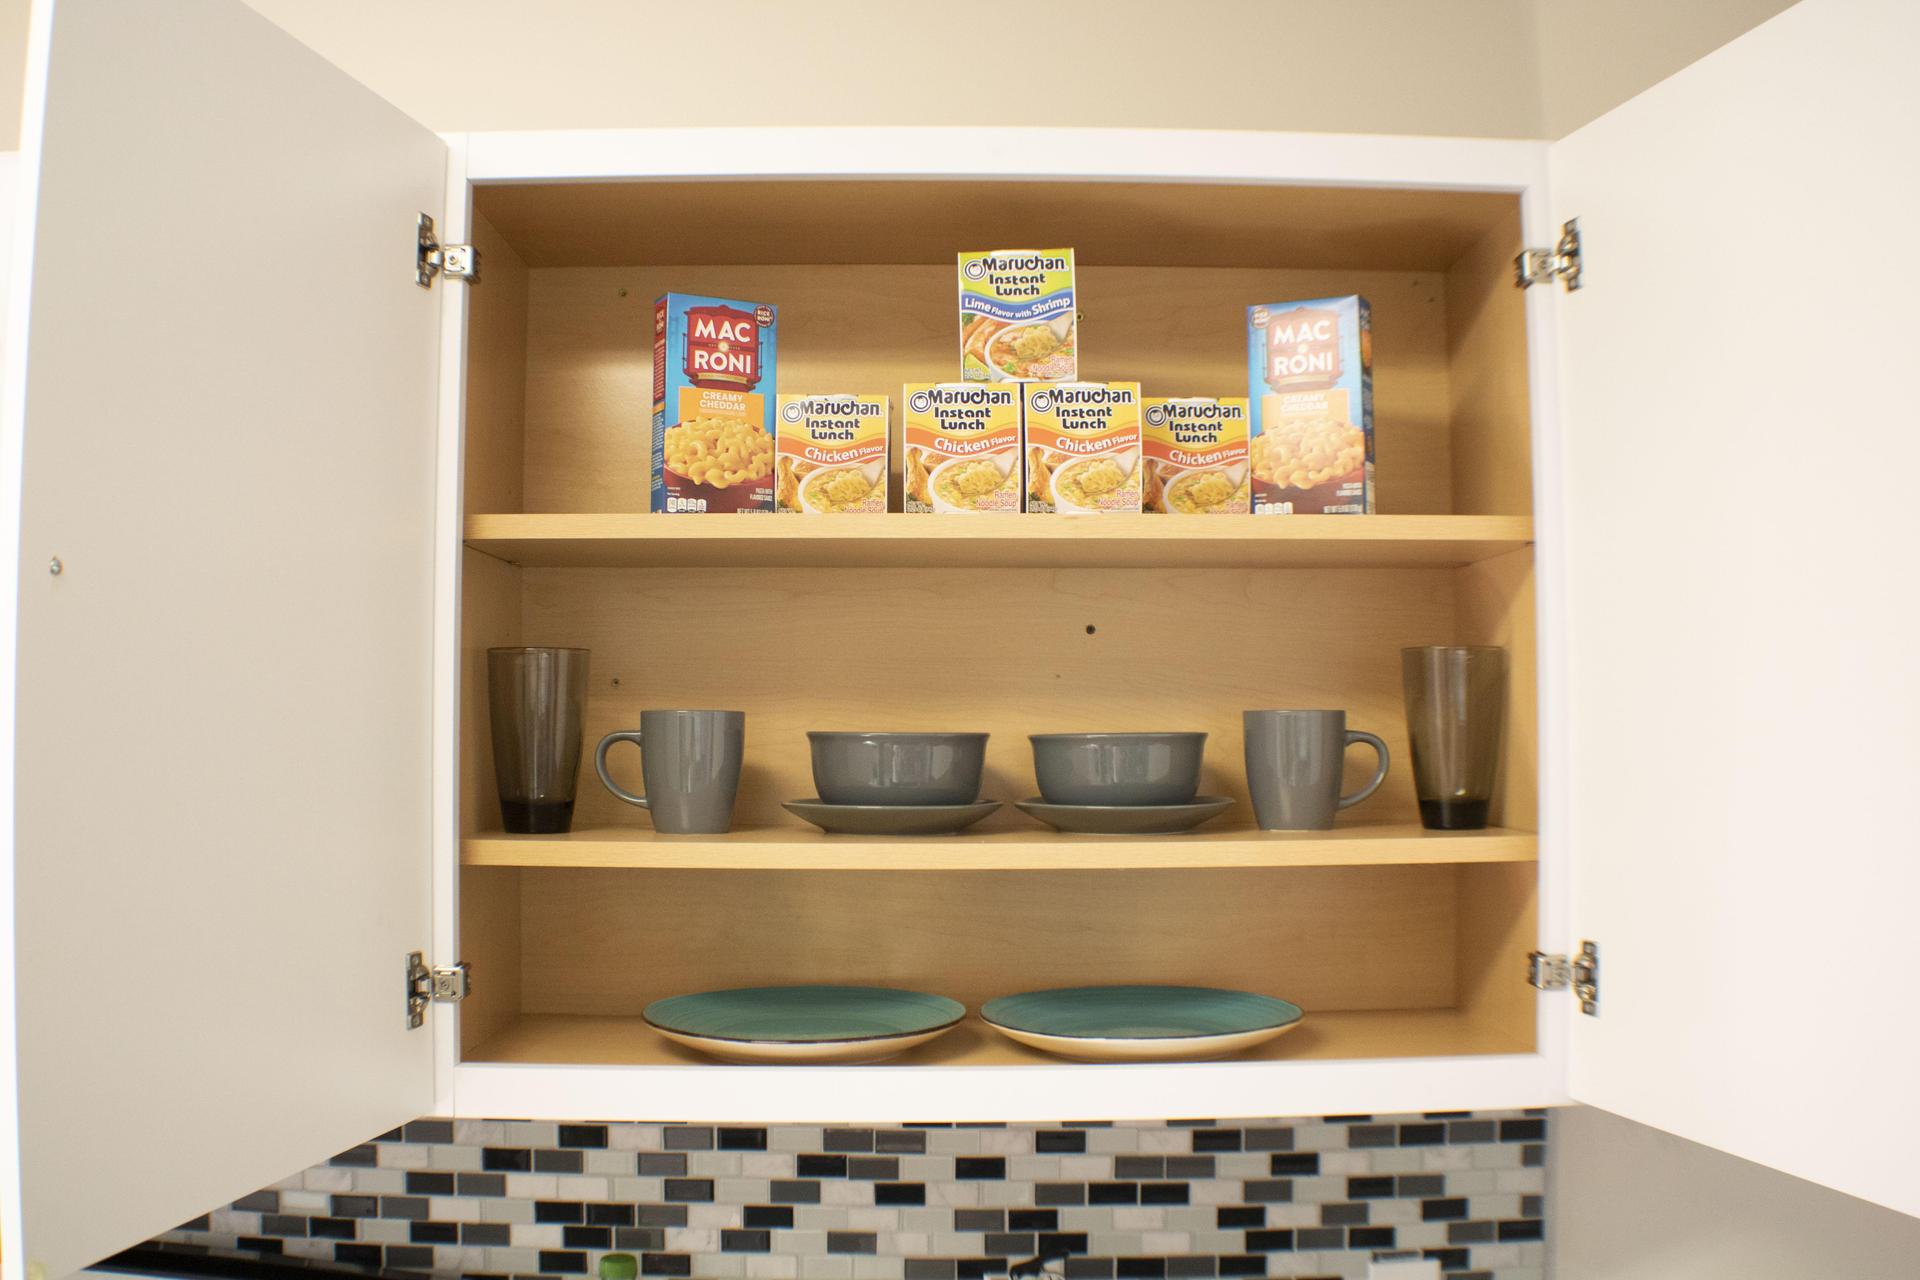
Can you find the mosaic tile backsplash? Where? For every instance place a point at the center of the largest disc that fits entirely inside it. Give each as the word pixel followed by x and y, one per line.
pixel 1173 1201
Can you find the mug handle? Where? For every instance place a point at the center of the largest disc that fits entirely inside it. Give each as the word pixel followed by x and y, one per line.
pixel 633 736
pixel 1353 736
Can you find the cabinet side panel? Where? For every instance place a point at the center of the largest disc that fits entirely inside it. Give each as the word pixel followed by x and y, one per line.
pixel 490 944
pixel 489 618
pixel 1498 926
pixel 1487 368
pixel 496 375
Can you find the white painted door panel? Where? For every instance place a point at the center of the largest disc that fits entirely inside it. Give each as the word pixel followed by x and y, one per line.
pixel 1741 443
pixel 222 722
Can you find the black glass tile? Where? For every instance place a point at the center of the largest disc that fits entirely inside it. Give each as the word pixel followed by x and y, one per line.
pixel 1216 1139
pixel 1346 1119
pixel 1192 1124
pixel 980 1168
pixel 689 1190
pixel 356 1206
pixel 1033 1219
pixel 1305 1162
pixel 852 1242
pixel 1059 1141
pixel 440 1131
pixel 743 1139
pixel 686 1137
pixel 666 1264
pixel 1238 1264
pixel 732 1241
pixel 782 1191
pixel 1420 1185
pixel 506 1159
pixel 1523 1130
pixel 820 1166
pixel 662 1215
pixel 391 1135
pixel 1346 1215
pixel 1269 1240
pixel 1447 1115
pixel 848 1140
pixel 609 1215
pixel 260 1244
pixel 559 1211
pixel 1163 1193
pixel 485 1235
pixel 979 1219
pixel 1190 1166
pixel 558 1162
pixel 1271 1139
pixel 873 1168
pixel 592 1136
pixel 480 1184
pixel 1139 1166
pixel 1533 1157
pixel 1054 1244
pixel 1113 1193
pixel 1450 1259
pixel 1370 1188
pixel 899 1193
pixel 282 1224
pixel 1371 1135
pixel 1533 1206
pixel 1140 1268
pixel 639 1239
pixel 904 1142
pixel 1191 1267
pixel 1267 1190
pixel 1096 1269
pixel 1470 1233
pixel 662 1164
pixel 1423 1135
pixel 977 1268
pixel 1463 1132
pixel 930 1269
pixel 364 1156
pixel 1086 1124
pixel 1370 1237
pixel 201 1223
pixel 1240 1215
pixel 433 1232
pixel 1453 1209
pixel 1320 1238
pixel 563 1262
pixel 259 1202
pixel 357 1255
pixel 1522 1229
pixel 769 1216
pixel 421 1183
pixel 1057 1193
pixel 332 1228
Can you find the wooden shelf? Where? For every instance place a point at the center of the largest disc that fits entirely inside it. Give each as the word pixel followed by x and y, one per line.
pixel 1393 1033
pixel 805 849
pixel 995 541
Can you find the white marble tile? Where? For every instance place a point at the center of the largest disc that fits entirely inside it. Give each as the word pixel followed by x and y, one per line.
pixel 772 1266
pixel 536 1235
pixel 533 1186
pixel 453 1209
pixel 693 1240
pixel 323 1178
pixel 380 1182
pixel 836 1267
pixel 402 1155
pixel 634 1137
pixel 480 1133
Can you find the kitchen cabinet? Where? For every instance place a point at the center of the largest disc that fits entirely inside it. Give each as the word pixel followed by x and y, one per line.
pixel 276 499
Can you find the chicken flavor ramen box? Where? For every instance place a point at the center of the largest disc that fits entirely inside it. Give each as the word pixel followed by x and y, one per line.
pixel 1195 456
pixel 830 454
pixel 961 444
pixel 1083 447
pixel 1017 317
pixel 713 381
pixel 1312 407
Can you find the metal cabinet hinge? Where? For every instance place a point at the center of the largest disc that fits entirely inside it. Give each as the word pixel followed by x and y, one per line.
pixel 454 261
pixel 1562 262
pixel 1581 974
pixel 443 984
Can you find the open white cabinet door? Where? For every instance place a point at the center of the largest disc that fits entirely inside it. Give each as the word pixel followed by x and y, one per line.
pixel 222 727
pixel 1741 442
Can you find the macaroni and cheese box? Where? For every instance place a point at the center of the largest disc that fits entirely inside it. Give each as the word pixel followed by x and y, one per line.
pixel 1195 456
pixel 1312 407
pixel 962 447
pixel 830 454
pixel 1083 447
pixel 1017 318
pixel 713 381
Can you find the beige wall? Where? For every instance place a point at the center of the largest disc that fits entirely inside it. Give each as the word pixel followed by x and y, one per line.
pixel 1656 1207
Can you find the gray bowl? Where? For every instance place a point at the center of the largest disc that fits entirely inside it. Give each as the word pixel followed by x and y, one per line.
pixel 898 768
pixel 1118 768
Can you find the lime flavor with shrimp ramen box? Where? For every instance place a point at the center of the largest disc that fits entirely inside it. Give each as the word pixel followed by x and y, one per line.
pixel 1017 316
pixel 1312 405
pixel 1195 456
pixel 1083 447
pixel 960 447
pixel 830 454
pixel 713 403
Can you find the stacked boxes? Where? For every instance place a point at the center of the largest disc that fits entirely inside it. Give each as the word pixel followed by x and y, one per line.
pixel 961 447
pixel 831 454
pixel 1312 407
pixel 1195 459
pixel 1083 447
pixel 1017 317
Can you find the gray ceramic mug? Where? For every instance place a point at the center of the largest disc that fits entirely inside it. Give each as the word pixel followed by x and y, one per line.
pixel 690 761
pixel 1294 763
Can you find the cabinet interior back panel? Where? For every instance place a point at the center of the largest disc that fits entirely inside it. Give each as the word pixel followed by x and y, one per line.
pixel 1177 330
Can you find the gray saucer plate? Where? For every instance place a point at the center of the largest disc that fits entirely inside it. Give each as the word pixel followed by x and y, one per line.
pixel 890 819
pixel 1126 820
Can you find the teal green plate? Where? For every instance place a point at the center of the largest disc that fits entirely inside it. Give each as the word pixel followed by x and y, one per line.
pixel 804 1024
pixel 1140 1024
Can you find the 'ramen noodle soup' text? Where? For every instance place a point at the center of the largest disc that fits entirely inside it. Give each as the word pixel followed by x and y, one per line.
pixel 1083 447
pixel 960 448
pixel 830 454
pixel 1195 456
pixel 713 375
pixel 1311 369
